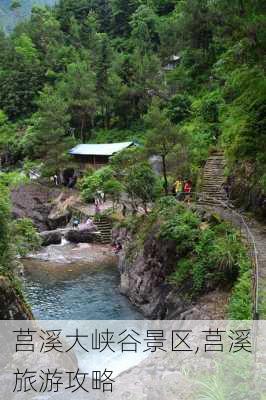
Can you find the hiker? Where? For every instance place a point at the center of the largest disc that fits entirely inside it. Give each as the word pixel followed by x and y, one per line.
pixel 101 196
pixel 97 206
pixel 75 223
pixel 117 247
pixel 225 187
pixel 124 210
pixel 178 187
pixel 187 190
pixel 89 222
pixel 55 178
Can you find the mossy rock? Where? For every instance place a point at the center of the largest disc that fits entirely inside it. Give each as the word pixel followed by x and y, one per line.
pixel 12 305
pixel 215 219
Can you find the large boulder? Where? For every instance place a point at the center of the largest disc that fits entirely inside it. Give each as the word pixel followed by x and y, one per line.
pixel 62 209
pixel 32 201
pixel 59 218
pixel 82 236
pixel 143 273
pixel 51 237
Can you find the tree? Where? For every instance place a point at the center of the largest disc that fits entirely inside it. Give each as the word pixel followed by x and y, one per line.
pixel 24 47
pixel 122 11
pixel 47 137
pixel 104 14
pixel 113 188
pixel 179 108
pixel 94 182
pixel 103 78
pixel 78 88
pixel 9 143
pixel 139 182
pixel 161 138
pixel 144 25
pixel 15 5
pixel 21 76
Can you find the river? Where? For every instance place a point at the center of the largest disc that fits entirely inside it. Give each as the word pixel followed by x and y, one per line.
pixel 75 283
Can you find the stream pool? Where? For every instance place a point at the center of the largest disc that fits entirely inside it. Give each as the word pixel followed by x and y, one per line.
pixel 76 290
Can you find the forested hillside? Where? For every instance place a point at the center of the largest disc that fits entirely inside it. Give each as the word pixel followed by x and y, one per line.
pixel 14 11
pixel 190 73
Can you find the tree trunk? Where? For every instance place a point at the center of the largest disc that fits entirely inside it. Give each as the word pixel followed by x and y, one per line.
pixel 242 7
pixel 82 130
pixel 165 176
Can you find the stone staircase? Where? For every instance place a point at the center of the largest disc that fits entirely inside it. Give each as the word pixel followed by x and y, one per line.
pixel 105 228
pixel 213 179
pixel 212 193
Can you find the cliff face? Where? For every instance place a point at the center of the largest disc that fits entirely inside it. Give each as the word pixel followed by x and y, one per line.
pixel 143 276
pixel 12 305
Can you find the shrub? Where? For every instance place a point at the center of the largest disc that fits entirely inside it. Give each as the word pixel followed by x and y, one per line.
pixel 13 179
pixel 25 236
pixel 93 182
pixel 113 188
pixel 240 305
pixel 209 256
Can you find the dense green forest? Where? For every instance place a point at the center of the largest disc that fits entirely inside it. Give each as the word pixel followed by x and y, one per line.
pixel 183 78
pixel 91 70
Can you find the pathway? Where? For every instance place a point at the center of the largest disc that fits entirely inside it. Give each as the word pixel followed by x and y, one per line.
pixel 213 197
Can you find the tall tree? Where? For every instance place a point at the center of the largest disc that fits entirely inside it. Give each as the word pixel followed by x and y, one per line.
pixel 161 138
pixel 144 24
pixel 21 76
pixel 122 11
pixel 47 138
pixel 78 88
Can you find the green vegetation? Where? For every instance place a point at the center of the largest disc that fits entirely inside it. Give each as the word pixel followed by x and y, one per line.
pixel 128 174
pixel 182 76
pixel 16 237
pixel 5 250
pixel 25 236
pixel 209 254
pixel 240 306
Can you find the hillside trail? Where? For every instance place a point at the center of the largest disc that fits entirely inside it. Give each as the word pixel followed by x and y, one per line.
pixel 213 197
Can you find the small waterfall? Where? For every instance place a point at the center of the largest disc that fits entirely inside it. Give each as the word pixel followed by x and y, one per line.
pixel 64 241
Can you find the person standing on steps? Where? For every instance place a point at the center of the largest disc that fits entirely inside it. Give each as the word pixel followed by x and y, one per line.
pixel 178 188
pixel 75 223
pixel 225 187
pixel 187 190
pixel 97 206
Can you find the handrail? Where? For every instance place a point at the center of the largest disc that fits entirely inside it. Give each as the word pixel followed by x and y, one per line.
pixel 254 255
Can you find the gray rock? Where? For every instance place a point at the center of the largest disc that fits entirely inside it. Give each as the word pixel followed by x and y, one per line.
pixel 143 277
pixel 82 236
pixel 58 218
pixel 51 237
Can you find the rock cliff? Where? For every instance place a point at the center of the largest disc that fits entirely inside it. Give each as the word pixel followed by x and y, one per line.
pixel 143 276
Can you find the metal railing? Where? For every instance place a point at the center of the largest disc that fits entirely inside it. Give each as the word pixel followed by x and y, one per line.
pixel 237 219
pixel 253 252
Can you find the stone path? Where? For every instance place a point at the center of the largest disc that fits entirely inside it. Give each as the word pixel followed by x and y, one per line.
pixel 213 197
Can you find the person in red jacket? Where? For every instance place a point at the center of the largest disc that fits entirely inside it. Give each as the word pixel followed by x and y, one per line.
pixel 187 190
